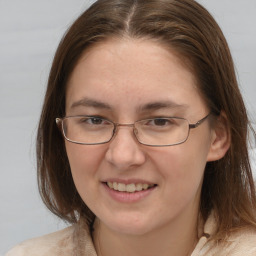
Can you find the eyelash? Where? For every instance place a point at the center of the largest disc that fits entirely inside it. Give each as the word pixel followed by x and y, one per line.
pixel 155 118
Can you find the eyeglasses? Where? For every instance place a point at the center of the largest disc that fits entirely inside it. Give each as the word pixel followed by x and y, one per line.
pixel 156 132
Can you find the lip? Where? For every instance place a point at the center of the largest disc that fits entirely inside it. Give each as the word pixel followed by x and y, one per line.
pixel 126 197
pixel 127 181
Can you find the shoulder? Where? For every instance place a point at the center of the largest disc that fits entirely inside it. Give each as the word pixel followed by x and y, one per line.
pixel 243 241
pixel 57 243
pixel 240 243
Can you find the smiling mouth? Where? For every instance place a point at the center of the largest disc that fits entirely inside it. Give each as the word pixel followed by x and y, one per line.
pixel 129 188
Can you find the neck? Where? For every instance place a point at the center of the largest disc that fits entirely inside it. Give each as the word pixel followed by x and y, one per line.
pixel 172 240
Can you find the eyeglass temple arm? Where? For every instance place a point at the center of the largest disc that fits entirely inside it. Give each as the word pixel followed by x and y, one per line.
pixel 192 126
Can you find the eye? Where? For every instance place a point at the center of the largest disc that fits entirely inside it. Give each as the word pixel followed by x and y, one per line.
pixel 94 121
pixel 161 122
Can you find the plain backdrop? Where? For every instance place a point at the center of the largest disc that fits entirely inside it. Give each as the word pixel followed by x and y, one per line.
pixel 29 34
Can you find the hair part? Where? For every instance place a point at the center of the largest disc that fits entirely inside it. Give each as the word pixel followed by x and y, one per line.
pixel 190 31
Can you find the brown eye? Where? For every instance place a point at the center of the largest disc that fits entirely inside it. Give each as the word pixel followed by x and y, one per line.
pixel 160 121
pixel 93 121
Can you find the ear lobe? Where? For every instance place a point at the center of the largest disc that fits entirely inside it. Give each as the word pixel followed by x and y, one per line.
pixel 221 138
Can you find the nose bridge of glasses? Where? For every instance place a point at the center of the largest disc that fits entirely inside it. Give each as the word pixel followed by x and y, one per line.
pixel 118 125
pixel 124 125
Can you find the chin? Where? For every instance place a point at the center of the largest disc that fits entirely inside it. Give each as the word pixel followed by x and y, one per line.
pixel 130 226
pixel 132 230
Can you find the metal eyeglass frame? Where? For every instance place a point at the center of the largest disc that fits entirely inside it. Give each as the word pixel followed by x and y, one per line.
pixel 59 122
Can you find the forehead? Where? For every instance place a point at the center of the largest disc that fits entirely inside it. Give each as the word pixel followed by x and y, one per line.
pixel 131 72
pixel 130 54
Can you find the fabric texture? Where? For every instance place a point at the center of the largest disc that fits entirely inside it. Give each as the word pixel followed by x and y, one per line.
pixel 76 241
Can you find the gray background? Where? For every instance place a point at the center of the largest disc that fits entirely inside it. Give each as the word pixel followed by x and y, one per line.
pixel 29 34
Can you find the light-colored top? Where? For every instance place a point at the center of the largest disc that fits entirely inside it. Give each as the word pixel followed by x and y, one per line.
pixel 76 241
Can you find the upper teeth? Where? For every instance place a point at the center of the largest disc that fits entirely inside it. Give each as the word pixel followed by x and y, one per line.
pixel 129 187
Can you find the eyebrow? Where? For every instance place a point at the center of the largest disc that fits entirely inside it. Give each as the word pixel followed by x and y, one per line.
pixel 86 102
pixel 161 105
pixel 151 106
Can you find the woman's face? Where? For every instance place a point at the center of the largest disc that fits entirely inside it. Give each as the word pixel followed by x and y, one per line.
pixel 125 81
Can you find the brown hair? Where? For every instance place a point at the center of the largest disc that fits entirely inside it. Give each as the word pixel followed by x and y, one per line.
pixel 187 28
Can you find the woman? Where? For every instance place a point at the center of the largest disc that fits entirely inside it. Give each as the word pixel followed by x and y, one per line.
pixel 148 155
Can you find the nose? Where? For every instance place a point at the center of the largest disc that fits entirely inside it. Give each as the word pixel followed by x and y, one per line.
pixel 124 150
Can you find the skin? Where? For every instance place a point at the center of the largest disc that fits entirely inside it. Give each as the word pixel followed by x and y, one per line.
pixel 126 75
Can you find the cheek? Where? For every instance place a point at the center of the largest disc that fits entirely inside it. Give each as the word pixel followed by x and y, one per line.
pixel 182 168
pixel 179 162
pixel 84 162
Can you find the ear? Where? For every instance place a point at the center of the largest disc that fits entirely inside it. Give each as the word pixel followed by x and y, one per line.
pixel 221 138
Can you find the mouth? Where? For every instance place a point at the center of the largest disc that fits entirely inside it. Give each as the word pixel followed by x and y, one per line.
pixel 129 188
